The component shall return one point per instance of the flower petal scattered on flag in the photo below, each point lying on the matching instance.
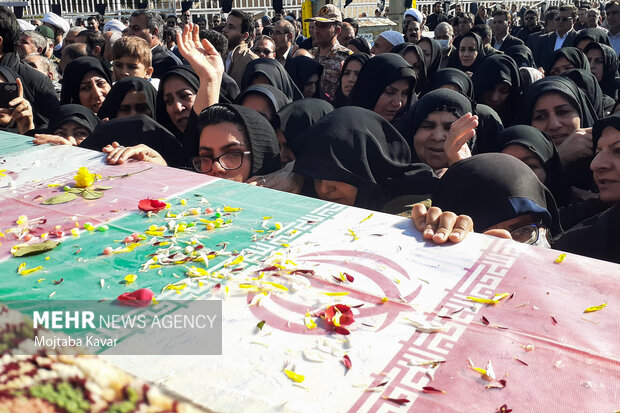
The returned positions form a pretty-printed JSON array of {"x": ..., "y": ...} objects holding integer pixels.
[
  {"x": 595, "y": 308},
  {"x": 138, "y": 298}
]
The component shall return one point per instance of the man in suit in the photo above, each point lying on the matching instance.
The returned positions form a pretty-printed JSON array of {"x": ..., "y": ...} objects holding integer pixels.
[
  {"x": 238, "y": 29},
  {"x": 283, "y": 35},
  {"x": 563, "y": 36},
  {"x": 500, "y": 24},
  {"x": 150, "y": 27},
  {"x": 530, "y": 17},
  {"x": 548, "y": 27}
]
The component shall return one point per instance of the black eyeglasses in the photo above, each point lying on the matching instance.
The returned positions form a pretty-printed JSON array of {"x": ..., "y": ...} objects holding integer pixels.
[
  {"x": 563, "y": 19},
  {"x": 229, "y": 161},
  {"x": 264, "y": 51},
  {"x": 527, "y": 234}
]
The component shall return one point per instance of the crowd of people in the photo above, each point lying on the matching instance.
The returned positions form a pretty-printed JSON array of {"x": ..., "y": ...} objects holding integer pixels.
[{"x": 501, "y": 121}]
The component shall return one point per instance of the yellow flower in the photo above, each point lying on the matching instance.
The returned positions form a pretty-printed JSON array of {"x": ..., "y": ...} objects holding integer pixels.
[{"x": 84, "y": 178}]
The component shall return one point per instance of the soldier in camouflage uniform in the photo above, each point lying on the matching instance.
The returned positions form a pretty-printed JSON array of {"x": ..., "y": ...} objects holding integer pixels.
[{"x": 328, "y": 52}]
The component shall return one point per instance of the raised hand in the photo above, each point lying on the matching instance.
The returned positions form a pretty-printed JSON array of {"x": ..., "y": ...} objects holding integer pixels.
[
  {"x": 461, "y": 132},
  {"x": 22, "y": 110},
  {"x": 200, "y": 54}
]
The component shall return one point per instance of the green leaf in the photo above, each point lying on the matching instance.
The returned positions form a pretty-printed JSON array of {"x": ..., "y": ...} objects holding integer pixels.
[
  {"x": 103, "y": 188},
  {"x": 75, "y": 190},
  {"x": 34, "y": 249},
  {"x": 60, "y": 199},
  {"x": 260, "y": 325},
  {"x": 88, "y": 194}
]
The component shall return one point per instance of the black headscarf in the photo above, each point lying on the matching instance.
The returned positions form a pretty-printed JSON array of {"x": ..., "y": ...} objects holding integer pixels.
[
  {"x": 362, "y": 45},
  {"x": 421, "y": 84},
  {"x": 361, "y": 148},
  {"x": 563, "y": 86},
  {"x": 73, "y": 113},
  {"x": 115, "y": 96},
  {"x": 493, "y": 188},
  {"x": 492, "y": 71},
  {"x": 452, "y": 76},
  {"x": 342, "y": 100},
  {"x": 275, "y": 96},
  {"x": 436, "y": 55},
  {"x": 298, "y": 116},
  {"x": 543, "y": 147},
  {"x": 586, "y": 81},
  {"x": 489, "y": 122},
  {"x": 301, "y": 69},
  {"x": 575, "y": 56},
  {"x": 455, "y": 62},
  {"x": 73, "y": 75},
  {"x": 610, "y": 69},
  {"x": 377, "y": 74},
  {"x": 599, "y": 236},
  {"x": 522, "y": 55},
  {"x": 260, "y": 135},
  {"x": 594, "y": 34},
  {"x": 273, "y": 71},
  {"x": 187, "y": 74},
  {"x": 440, "y": 100},
  {"x": 134, "y": 130},
  {"x": 229, "y": 90}
]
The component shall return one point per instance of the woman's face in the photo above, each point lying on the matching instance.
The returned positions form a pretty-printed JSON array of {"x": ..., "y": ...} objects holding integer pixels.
[
  {"x": 468, "y": 51},
  {"x": 560, "y": 66},
  {"x": 261, "y": 104},
  {"x": 225, "y": 138},
  {"x": 597, "y": 63},
  {"x": 311, "y": 85},
  {"x": 93, "y": 90},
  {"x": 393, "y": 99},
  {"x": 286, "y": 153},
  {"x": 72, "y": 129},
  {"x": 134, "y": 103},
  {"x": 529, "y": 158},
  {"x": 496, "y": 98},
  {"x": 412, "y": 58},
  {"x": 428, "y": 142},
  {"x": 527, "y": 229},
  {"x": 554, "y": 115},
  {"x": 179, "y": 98},
  {"x": 349, "y": 76},
  {"x": 426, "y": 48},
  {"x": 335, "y": 191},
  {"x": 606, "y": 166}
]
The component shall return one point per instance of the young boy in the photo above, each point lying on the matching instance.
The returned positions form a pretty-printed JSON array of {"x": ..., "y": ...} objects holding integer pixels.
[{"x": 132, "y": 57}]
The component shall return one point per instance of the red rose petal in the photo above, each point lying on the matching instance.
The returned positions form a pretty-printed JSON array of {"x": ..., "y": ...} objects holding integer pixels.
[
  {"x": 139, "y": 298},
  {"x": 397, "y": 401},
  {"x": 347, "y": 362},
  {"x": 154, "y": 205}
]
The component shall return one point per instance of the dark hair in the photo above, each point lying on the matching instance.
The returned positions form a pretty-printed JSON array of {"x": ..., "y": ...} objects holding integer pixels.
[
  {"x": 9, "y": 30},
  {"x": 153, "y": 21},
  {"x": 531, "y": 11},
  {"x": 482, "y": 30},
  {"x": 217, "y": 39},
  {"x": 92, "y": 40},
  {"x": 550, "y": 15},
  {"x": 568, "y": 7},
  {"x": 501, "y": 12},
  {"x": 216, "y": 114},
  {"x": 611, "y": 4},
  {"x": 353, "y": 23},
  {"x": 247, "y": 20}
]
